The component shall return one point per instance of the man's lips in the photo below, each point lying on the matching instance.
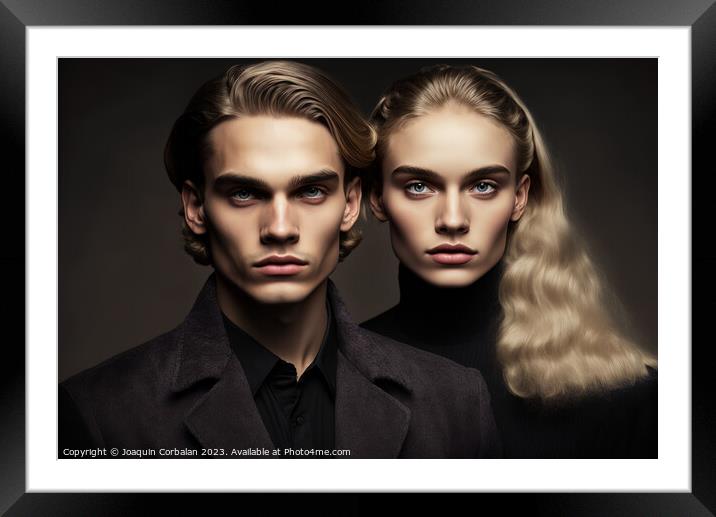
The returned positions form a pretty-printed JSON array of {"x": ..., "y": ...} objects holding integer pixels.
[
  {"x": 452, "y": 254},
  {"x": 280, "y": 265}
]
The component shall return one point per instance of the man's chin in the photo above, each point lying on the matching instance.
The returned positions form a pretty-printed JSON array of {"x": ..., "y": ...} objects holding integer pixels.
[{"x": 279, "y": 293}]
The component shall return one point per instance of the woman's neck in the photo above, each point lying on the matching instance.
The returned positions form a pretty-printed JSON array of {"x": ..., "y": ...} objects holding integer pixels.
[{"x": 434, "y": 311}]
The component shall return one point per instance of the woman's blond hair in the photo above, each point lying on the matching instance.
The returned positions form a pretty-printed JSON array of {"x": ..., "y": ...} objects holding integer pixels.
[
  {"x": 556, "y": 339},
  {"x": 276, "y": 88}
]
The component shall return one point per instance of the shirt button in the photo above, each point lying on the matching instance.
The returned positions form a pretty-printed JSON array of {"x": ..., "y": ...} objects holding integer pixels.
[{"x": 299, "y": 420}]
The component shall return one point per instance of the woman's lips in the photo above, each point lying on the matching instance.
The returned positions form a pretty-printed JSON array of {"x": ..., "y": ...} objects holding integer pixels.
[
  {"x": 451, "y": 258},
  {"x": 452, "y": 254}
]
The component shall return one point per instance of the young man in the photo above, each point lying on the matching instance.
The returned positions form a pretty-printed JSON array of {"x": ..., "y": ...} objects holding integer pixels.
[{"x": 268, "y": 360}]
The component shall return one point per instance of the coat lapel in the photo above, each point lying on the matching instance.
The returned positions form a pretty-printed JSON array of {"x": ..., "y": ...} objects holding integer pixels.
[
  {"x": 370, "y": 422},
  {"x": 226, "y": 416}
]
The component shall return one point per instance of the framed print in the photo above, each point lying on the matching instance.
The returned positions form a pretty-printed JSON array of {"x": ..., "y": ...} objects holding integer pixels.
[{"x": 93, "y": 200}]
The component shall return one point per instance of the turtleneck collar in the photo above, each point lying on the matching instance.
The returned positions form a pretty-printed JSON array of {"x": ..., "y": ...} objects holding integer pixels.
[{"x": 453, "y": 310}]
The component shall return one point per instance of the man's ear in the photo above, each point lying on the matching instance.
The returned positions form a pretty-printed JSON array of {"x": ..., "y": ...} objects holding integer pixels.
[
  {"x": 376, "y": 205},
  {"x": 521, "y": 195},
  {"x": 193, "y": 203},
  {"x": 352, "y": 210}
]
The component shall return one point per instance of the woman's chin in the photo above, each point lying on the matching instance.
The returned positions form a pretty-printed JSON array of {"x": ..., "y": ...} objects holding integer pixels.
[{"x": 450, "y": 276}]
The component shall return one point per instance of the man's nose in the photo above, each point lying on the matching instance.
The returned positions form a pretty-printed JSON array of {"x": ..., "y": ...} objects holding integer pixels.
[
  {"x": 452, "y": 217},
  {"x": 278, "y": 226}
]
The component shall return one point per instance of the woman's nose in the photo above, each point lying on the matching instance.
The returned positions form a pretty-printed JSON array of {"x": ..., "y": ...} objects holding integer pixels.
[{"x": 452, "y": 215}]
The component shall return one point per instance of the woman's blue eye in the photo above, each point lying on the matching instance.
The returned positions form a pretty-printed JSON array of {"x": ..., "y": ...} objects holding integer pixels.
[
  {"x": 417, "y": 188},
  {"x": 484, "y": 188}
]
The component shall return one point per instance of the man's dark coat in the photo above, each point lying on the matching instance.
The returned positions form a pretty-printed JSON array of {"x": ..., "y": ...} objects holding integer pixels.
[{"x": 186, "y": 389}]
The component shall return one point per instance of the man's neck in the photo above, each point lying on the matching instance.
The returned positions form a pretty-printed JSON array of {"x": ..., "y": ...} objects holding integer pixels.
[{"x": 292, "y": 331}]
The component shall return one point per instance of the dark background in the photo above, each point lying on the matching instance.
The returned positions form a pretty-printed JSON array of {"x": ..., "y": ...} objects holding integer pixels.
[{"x": 124, "y": 278}]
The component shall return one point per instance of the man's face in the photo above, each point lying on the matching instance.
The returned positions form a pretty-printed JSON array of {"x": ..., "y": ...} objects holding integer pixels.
[{"x": 274, "y": 204}]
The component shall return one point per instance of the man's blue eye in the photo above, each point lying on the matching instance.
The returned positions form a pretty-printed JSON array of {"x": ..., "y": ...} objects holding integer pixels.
[
  {"x": 242, "y": 195},
  {"x": 417, "y": 188},
  {"x": 312, "y": 192}
]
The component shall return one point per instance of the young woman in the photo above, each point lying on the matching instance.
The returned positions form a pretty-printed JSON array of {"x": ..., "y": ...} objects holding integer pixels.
[{"x": 492, "y": 275}]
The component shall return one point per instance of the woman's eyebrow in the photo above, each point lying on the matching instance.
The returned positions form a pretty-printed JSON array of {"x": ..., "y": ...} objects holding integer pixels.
[
  {"x": 418, "y": 172},
  {"x": 488, "y": 170},
  {"x": 434, "y": 177}
]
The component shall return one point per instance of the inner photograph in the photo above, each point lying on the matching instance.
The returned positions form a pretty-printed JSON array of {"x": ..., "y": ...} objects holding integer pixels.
[{"x": 357, "y": 258}]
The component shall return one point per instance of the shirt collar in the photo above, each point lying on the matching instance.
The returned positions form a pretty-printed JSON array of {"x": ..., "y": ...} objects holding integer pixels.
[
  {"x": 258, "y": 361},
  {"x": 326, "y": 358}
]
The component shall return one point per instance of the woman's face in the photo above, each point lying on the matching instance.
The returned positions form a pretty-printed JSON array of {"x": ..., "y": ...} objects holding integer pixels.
[{"x": 449, "y": 190}]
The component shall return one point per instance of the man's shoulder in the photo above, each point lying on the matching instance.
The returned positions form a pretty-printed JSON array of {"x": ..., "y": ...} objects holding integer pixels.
[
  {"x": 152, "y": 361},
  {"x": 421, "y": 367},
  {"x": 445, "y": 392}
]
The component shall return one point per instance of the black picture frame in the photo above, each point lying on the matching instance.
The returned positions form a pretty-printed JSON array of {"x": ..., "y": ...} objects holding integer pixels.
[{"x": 16, "y": 16}]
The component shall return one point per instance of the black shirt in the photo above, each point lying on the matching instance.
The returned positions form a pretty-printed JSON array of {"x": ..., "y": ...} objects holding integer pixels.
[
  {"x": 461, "y": 324},
  {"x": 298, "y": 414}
]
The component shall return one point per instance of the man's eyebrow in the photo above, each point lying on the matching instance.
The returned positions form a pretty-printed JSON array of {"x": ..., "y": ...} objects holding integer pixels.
[
  {"x": 233, "y": 179},
  {"x": 324, "y": 175},
  {"x": 434, "y": 177}
]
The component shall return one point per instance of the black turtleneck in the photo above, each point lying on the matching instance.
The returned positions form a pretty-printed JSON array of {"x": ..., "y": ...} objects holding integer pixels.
[
  {"x": 457, "y": 323},
  {"x": 461, "y": 324}
]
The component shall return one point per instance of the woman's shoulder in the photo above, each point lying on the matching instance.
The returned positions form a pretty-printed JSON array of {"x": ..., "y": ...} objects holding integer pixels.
[
  {"x": 618, "y": 423},
  {"x": 634, "y": 409},
  {"x": 642, "y": 391},
  {"x": 636, "y": 392},
  {"x": 385, "y": 324},
  {"x": 640, "y": 395}
]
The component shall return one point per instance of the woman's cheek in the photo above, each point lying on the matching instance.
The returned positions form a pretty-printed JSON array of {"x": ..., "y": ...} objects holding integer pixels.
[
  {"x": 406, "y": 221},
  {"x": 491, "y": 224},
  {"x": 495, "y": 216}
]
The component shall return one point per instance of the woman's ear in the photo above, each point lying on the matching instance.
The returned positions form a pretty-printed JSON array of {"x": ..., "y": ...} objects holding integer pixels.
[
  {"x": 193, "y": 208},
  {"x": 521, "y": 196},
  {"x": 376, "y": 205}
]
